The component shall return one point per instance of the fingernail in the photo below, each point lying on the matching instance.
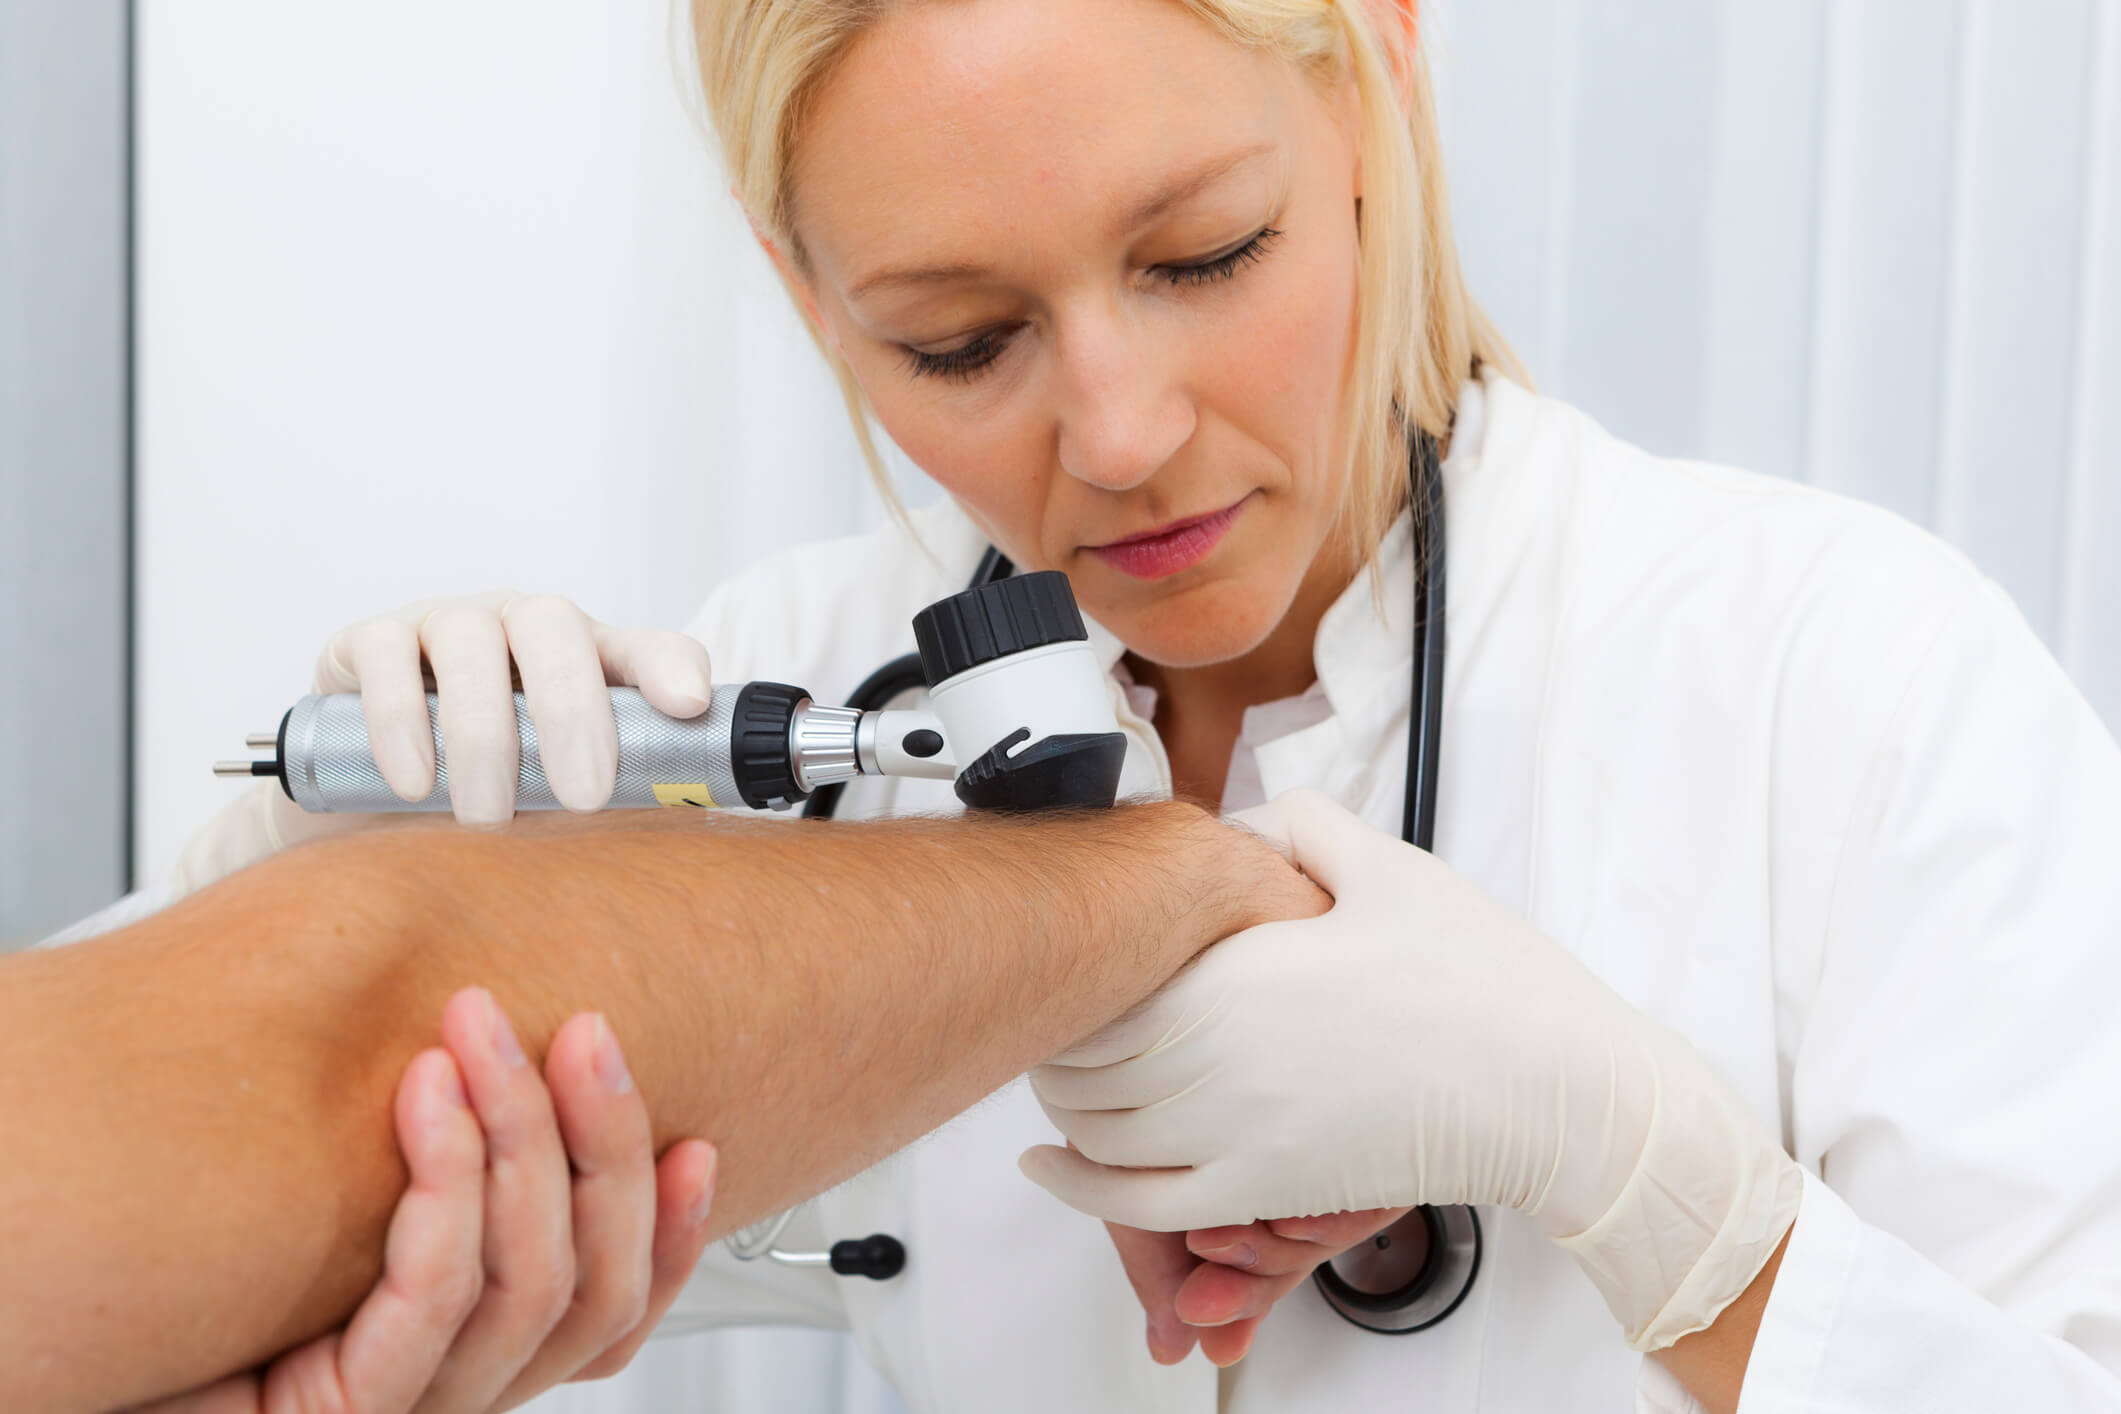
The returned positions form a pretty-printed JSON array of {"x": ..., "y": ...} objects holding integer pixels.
[
  {"x": 611, "y": 1065},
  {"x": 704, "y": 1204},
  {"x": 505, "y": 1044}
]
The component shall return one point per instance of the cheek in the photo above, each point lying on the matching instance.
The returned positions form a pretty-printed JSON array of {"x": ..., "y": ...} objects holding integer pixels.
[
  {"x": 1281, "y": 375},
  {"x": 994, "y": 460}
]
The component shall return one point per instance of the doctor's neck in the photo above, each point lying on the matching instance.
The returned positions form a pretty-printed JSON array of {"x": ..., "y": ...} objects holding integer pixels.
[{"x": 1200, "y": 710}]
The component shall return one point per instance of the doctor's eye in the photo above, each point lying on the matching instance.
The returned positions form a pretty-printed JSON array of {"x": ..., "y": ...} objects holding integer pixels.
[
  {"x": 1221, "y": 267},
  {"x": 964, "y": 362}
]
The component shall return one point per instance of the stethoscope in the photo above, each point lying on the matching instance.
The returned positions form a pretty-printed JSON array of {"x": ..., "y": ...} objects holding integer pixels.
[{"x": 1419, "y": 1270}]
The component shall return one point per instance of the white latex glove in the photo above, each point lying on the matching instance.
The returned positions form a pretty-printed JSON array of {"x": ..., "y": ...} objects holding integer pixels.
[
  {"x": 1419, "y": 1043},
  {"x": 473, "y": 648}
]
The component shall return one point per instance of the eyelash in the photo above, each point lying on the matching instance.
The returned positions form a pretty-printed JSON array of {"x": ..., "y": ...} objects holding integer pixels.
[{"x": 966, "y": 361}]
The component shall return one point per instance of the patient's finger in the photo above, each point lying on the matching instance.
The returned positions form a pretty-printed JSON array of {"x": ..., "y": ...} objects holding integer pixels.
[
  {"x": 529, "y": 1242},
  {"x": 1290, "y": 1244},
  {"x": 684, "y": 1182},
  {"x": 1157, "y": 1265},
  {"x": 605, "y": 1127},
  {"x": 432, "y": 1272}
]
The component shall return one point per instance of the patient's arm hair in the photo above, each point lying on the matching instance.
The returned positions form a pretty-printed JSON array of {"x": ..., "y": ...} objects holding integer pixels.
[{"x": 198, "y": 1162}]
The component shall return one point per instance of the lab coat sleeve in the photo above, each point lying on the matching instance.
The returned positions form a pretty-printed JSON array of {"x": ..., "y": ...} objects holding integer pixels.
[{"x": 1954, "y": 1086}]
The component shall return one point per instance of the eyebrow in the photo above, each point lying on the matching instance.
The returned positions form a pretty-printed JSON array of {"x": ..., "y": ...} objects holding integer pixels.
[{"x": 1148, "y": 209}]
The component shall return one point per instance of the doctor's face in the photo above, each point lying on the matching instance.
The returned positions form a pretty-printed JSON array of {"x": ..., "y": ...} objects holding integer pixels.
[{"x": 1094, "y": 267}]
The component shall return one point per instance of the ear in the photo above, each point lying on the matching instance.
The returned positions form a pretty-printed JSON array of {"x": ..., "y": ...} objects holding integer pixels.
[
  {"x": 791, "y": 275},
  {"x": 800, "y": 287},
  {"x": 1398, "y": 27}
]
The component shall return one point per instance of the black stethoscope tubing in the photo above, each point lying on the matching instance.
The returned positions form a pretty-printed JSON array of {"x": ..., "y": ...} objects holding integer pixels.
[{"x": 1418, "y": 827}]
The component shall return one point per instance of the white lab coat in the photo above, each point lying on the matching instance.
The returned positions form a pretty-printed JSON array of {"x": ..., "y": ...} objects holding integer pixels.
[{"x": 1786, "y": 772}]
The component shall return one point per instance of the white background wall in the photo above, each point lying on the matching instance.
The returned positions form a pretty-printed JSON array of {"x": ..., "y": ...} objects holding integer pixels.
[{"x": 439, "y": 297}]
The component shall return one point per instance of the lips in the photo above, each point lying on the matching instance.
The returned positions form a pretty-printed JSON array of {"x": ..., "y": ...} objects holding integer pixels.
[{"x": 1160, "y": 553}]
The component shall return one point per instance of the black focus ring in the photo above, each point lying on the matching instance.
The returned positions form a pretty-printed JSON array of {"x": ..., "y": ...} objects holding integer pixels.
[
  {"x": 758, "y": 744},
  {"x": 994, "y": 620}
]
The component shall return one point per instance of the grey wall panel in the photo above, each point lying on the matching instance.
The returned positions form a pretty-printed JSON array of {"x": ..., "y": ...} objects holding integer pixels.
[
  {"x": 2091, "y": 604},
  {"x": 64, "y": 489},
  {"x": 2017, "y": 270}
]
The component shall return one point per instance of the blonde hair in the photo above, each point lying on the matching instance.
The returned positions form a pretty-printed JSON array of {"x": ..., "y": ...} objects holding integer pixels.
[{"x": 1419, "y": 333}]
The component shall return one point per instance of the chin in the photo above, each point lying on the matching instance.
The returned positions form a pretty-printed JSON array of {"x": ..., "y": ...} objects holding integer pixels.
[{"x": 1213, "y": 624}]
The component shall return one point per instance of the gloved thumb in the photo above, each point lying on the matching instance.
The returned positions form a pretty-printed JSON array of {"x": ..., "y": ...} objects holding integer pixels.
[
  {"x": 1316, "y": 835},
  {"x": 1155, "y": 1200}
]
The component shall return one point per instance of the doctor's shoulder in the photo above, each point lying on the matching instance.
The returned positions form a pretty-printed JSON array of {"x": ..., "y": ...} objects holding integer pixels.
[
  {"x": 1750, "y": 582},
  {"x": 824, "y": 614}
]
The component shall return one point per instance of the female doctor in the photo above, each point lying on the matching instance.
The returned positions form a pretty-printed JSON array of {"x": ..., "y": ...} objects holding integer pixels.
[{"x": 1764, "y": 987}]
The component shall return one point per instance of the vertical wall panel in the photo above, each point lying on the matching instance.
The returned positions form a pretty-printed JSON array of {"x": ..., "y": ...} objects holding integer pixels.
[
  {"x": 1762, "y": 231},
  {"x": 1513, "y": 123},
  {"x": 2007, "y": 399},
  {"x": 1637, "y": 288},
  {"x": 64, "y": 367},
  {"x": 2091, "y": 623},
  {"x": 1885, "y": 218}
]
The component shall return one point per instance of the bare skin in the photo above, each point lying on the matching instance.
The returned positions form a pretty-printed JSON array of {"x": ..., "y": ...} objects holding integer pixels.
[{"x": 206, "y": 1166}]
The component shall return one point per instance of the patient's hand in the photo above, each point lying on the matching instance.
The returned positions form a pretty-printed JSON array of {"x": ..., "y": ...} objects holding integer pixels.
[
  {"x": 1215, "y": 1285},
  {"x": 539, "y": 1240}
]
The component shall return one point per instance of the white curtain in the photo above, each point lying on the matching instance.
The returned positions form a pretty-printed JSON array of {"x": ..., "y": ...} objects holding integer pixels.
[
  {"x": 1871, "y": 244},
  {"x": 439, "y": 297}
]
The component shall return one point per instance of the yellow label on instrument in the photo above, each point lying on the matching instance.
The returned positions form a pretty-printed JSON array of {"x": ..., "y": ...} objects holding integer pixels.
[{"x": 694, "y": 795}]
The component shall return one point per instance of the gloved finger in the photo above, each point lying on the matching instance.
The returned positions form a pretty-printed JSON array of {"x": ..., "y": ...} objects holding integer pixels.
[
  {"x": 1122, "y": 1085},
  {"x": 684, "y": 1181},
  {"x": 554, "y": 647},
  {"x": 528, "y": 1241},
  {"x": 1331, "y": 845},
  {"x": 468, "y": 650},
  {"x": 380, "y": 660},
  {"x": 605, "y": 1127},
  {"x": 1128, "y": 1139},
  {"x": 1337, "y": 1231},
  {"x": 1157, "y": 1264},
  {"x": 1162, "y": 1020},
  {"x": 1158, "y": 1200},
  {"x": 671, "y": 669}
]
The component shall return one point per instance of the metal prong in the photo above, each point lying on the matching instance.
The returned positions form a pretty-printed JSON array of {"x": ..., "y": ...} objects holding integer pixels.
[
  {"x": 232, "y": 768},
  {"x": 262, "y": 741}
]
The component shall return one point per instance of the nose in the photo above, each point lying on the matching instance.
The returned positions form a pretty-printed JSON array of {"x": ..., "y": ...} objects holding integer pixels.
[{"x": 1125, "y": 409}]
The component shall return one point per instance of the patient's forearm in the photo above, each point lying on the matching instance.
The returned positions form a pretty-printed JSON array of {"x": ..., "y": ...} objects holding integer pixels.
[{"x": 200, "y": 1162}]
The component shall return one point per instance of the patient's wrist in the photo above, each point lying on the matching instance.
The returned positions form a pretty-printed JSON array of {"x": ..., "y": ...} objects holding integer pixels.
[{"x": 1236, "y": 878}]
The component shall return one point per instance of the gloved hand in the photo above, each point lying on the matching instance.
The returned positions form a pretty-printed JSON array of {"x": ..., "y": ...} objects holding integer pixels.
[
  {"x": 566, "y": 661},
  {"x": 1419, "y": 1043}
]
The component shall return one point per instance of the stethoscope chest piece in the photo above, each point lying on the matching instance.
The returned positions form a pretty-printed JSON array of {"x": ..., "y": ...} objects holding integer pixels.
[{"x": 1408, "y": 1277}]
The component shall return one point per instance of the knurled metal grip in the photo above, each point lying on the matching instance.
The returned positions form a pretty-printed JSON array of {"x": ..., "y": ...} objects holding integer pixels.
[
  {"x": 326, "y": 765},
  {"x": 991, "y": 621}
]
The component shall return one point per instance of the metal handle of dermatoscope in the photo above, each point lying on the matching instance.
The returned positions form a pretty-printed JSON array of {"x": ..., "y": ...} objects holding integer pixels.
[{"x": 743, "y": 751}]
